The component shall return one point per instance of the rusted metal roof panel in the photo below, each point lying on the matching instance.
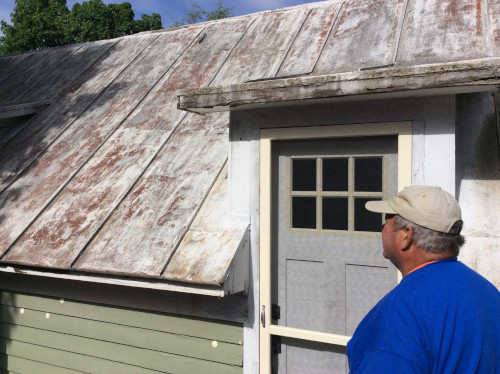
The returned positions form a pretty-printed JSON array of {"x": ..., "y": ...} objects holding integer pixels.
[
  {"x": 309, "y": 43},
  {"x": 23, "y": 67},
  {"x": 250, "y": 59},
  {"x": 62, "y": 160},
  {"x": 46, "y": 87},
  {"x": 34, "y": 72},
  {"x": 49, "y": 124},
  {"x": 11, "y": 64},
  {"x": 444, "y": 30},
  {"x": 202, "y": 61},
  {"x": 160, "y": 208},
  {"x": 86, "y": 202},
  {"x": 366, "y": 36},
  {"x": 63, "y": 230},
  {"x": 209, "y": 246}
]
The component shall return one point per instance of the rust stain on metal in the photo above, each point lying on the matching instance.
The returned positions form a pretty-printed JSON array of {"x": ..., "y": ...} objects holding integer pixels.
[
  {"x": 129, "y": 240},
  {"x": 443, "y": 30},
  {"x": 309, "y": 43},
  {"x": 251, "y": 58},
  {"x": 364, "y": 37},
  {"x": 84, "y": 136},
  {"x": 479, "y": 18},
  {"x": 493, "y": 8},
  {"x": 46, "y": 126},
  {"x": 209, "y": 246},
  {"x": 200, "y": 63}
]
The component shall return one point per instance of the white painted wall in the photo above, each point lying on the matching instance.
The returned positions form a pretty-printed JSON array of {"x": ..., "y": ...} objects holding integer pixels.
[
  {"x": 478, "y": 183},
  {"x": 433, "y": 163}
]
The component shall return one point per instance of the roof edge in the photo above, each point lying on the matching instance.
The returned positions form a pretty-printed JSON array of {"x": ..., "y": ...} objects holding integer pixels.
[
  {"x": 119, "y": 281},
  {"x": 16, "y": 110},
  {"x": 480, "y": 74}
]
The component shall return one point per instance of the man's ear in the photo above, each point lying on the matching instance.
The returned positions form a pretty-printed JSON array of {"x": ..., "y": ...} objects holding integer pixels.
[{"x": 406, "y": 237}]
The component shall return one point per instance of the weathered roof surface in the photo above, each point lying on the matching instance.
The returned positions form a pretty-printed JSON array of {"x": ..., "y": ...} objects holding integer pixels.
[
  {"x": 356, "y": 47},
  {"x": 111, "y": 178}
]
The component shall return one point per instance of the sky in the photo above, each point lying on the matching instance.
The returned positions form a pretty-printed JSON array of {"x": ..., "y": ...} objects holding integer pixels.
[{"x": 175, "y": 10}]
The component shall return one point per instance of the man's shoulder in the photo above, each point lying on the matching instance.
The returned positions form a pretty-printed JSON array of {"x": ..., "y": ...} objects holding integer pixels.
[
  {"x": 450, "y": 270},
  {"x": 449, "y": 283},
  {"x": 455, "y": 274}
]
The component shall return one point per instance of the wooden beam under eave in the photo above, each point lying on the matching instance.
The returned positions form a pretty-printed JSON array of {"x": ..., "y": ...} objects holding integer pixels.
[{"x": 456, "y": 77}]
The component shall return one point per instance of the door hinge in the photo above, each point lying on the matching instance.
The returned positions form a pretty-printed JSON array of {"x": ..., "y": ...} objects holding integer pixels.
[
  {"x": 275, "y": 312},
  {"x": 276, "y": 345}
]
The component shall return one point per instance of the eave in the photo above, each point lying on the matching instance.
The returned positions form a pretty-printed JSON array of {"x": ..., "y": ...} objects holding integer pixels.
[
  {"x": 207, "y": 290},
  {"x": 452, "y": 77}
]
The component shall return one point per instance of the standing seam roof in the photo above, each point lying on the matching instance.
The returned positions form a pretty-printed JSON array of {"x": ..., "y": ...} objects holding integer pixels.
[{"x": 112, "y": 178}]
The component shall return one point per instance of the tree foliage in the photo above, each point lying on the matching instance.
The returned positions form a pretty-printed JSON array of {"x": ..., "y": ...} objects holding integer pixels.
[
  {"x": 197, "y": 14},
  {"x": 40, "y": 24},
  {"x": 152, "y": 22},
  {"x": 36, "y": 24}
]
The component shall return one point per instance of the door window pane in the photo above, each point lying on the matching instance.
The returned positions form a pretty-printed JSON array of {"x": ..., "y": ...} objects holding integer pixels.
[
  {"x": 368, "y": 174},
  {"x": 304, "y": 174},
  {"x": 335, "y": 174},
  {"x": 364, "y": 220},
  {"x": 335, "y": 213},
  {"x": 304, "y": 212}
]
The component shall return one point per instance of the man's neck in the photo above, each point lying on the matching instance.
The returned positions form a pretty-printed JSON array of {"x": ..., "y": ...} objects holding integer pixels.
[{"x": 418, "y": 258}]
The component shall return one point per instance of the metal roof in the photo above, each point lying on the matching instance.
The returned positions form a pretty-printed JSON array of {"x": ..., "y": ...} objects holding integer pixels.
[{"x": 112, "y": 178}]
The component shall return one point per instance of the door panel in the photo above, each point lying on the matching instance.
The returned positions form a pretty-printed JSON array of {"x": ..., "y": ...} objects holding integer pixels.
[
  {"x": 321, "y": 358},
  {"x": 327, "y": 268}
]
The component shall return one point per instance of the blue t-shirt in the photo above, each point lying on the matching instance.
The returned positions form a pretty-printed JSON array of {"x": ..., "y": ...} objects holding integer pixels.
[{"x": 443, "y": 318}]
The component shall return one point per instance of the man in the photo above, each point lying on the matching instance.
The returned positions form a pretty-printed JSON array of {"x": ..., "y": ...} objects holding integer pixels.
[{"x": 443, "y": 317}]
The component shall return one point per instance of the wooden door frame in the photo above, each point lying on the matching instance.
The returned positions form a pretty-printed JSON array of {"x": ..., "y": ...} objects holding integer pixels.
[{"x": 403, "y": 130}]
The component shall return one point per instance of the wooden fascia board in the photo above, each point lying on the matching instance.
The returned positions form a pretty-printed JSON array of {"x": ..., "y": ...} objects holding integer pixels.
[
  {"x": 480, "y": 75},
  {"x": 118, "y": 281}
]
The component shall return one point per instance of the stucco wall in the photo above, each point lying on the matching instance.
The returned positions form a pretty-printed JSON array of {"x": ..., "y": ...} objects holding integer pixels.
[{"x": 478, "y": 182}]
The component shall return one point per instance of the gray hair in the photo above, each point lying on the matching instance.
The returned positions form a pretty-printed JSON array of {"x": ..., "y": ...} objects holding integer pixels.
[{"x": 433, "y": 241}]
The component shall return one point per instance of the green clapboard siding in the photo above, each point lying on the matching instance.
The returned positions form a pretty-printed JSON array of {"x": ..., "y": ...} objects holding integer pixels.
[
  {"x": 63, "y": 336},
  {"x": 17, "y": 365}
]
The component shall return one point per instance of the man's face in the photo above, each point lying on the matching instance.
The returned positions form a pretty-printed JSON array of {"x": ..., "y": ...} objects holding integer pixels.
[{"x": 389, "y": 239}]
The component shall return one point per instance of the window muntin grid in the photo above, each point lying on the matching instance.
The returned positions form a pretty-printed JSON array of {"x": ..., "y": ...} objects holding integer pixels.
[{"x": 331, "y": 191}]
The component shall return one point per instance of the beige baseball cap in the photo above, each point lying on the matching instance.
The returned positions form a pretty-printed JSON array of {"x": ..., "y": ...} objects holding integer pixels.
[{"x": 427, "y": 206}]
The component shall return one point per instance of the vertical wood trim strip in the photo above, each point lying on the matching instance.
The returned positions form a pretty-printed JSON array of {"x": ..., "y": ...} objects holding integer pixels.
[
  {"x": 497, "y": 115},
  {"x": 265, "y": 253},
  {"x": 404, "y": 163},
  {"x": 404, "y": 157}
]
